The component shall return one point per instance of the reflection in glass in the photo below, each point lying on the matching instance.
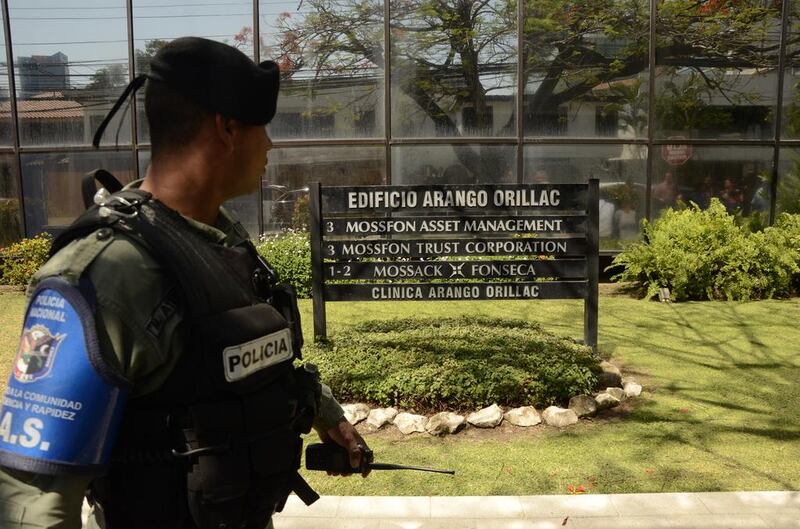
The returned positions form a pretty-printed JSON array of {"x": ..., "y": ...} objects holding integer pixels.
[
  {"x": 156, "y": 23},
  {"x": 10, "y": 227},
  {"x": 453, "y": 164},
  {"x": 788, "y": 196},
  {"x": 716, "y": 73},
  {"x": 791, "y": 83},
  {"x": 621, "y": 170},
  {"x": 291, "y": 170},
  {"x": 5, "y": 94},
  {"x": 51, "y": 185},
  {"x": 586, "y": 68},
  {"x": 71, "y": 64},
  {"x": 738, "y": 176},
  {"x": 245, "y": 210},
  {"x": 454, "y": 68},
  {"x": 331, "y": 57}
]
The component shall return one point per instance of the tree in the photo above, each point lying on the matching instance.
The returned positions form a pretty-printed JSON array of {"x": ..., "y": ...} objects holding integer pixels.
[
  {"x": 112, "y": 76},
  {"x": 144, "y": 56},
  {"x": 451, "y": 54}
]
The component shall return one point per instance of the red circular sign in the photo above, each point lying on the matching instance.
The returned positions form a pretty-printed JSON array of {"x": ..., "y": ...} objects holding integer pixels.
[{"x": 676, "y": 154}]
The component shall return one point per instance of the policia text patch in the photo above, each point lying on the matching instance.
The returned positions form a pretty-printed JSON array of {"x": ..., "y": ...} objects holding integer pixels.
[{"x": 243, "y": 360}]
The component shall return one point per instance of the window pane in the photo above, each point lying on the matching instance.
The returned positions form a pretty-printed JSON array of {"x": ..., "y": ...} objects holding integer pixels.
[
  {"x": 586, "y": 68},
  {"x": 788, "y": 198},
  {"x": 51, "y": 185},
  {"x": 10, "y": 227},
  {"x": 291, "y": 170},
  {"x": 453, "y": 164},
  {"x": 5, "y": 94},
  {"x": 156, "y": 22},
  {"x": 454, "y": 68},
  {"x": 621, "y": 170},
  {"x": 245, "y": 210},
  {"x": 716, "y": 69},
  {"x": 144, "y": 162},
  {"x": 331, "y": 58},
  {"x": 737, "y": 176},
  {"x": 71, "y": 64},
  {"x": 791, "y": 82}
]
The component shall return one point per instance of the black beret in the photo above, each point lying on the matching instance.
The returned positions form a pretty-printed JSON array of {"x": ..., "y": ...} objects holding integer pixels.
[{"x": 219, "y": 78}]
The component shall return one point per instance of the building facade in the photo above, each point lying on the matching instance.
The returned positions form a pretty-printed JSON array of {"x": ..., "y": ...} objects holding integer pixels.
[{"x": 665, "y": 101}]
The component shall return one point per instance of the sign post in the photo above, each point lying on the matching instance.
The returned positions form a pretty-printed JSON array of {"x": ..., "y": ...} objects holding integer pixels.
[
  {"x": 455, "y": 242},
  {"x": 317, "y": 281}
]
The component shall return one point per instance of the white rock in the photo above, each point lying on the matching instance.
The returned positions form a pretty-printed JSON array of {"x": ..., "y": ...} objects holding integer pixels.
[
  {"x": 524, "y": 416},
  {"x": 559, "y": 417},
  {"x": 617, "y": 393},
  {"x": 632, "y": 389},
  {"x": 583, "y": 405},
  {"x": 355, "y": 413},
  {"x": 409, "y": 423},
  {"x": 606, "y": 401},
  {"x": 381, "y": 416},
  {"x": 488, "y": 417},
  {"x": 445, "y": 422}
]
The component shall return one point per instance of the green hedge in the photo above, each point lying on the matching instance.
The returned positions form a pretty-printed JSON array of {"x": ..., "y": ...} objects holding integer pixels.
[
  {"x": 453, "y": 363},
  {"x": 22, "y": 259},
  {"x": 704, "y": 254},
  {"x": 289, "y": 253}
]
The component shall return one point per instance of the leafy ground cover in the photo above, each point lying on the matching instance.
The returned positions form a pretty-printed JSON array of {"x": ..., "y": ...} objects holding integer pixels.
[
  {"x": 459, "y": 364},
  {"x": 719, "y": 411}
]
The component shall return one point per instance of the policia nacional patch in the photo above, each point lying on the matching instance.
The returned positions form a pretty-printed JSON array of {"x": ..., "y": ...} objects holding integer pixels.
[{"x": 63, "y": 404}]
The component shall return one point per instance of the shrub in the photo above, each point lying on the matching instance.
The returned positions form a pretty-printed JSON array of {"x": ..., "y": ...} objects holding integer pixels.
[
  {"x": 453, "y": 363},
  {"x": 22, "y": 259},
  {"x": 704, "y": 254},
  {"x": 289, "y": 253},
  {"x": 9, "y": 220},
  {"x": 300, "y": 213}
]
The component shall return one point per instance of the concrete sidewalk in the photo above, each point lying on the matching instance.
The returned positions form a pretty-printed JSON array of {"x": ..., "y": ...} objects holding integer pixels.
[{"x": 708, "y": 510}]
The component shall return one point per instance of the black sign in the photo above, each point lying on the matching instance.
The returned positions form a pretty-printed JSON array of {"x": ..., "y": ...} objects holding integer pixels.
[
  {"x": 398, "y": 239},
  {"x": 456, "y": 291},
  {"x": 350, "y": 249},
  {"x": 542, "y": 224},
  {"x": 498, "y": 197},
  {"x": 448, "y": 270}
]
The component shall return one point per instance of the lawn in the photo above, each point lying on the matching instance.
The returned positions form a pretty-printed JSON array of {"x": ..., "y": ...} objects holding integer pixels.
[{"x": 719, "y": 410}]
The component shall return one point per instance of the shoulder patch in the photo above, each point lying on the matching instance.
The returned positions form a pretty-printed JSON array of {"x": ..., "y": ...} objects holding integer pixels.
[{"x": 62, "y": 405}]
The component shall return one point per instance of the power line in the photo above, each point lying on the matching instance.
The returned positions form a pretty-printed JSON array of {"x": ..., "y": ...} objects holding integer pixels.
[
  {"x": 137, "y": 6},
  {"x": 64, "y": 43},
  {"x": 135, "y": 17}
]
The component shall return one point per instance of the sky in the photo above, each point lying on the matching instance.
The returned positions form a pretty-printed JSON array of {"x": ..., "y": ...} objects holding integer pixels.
[{"x": 93, "y": 33}]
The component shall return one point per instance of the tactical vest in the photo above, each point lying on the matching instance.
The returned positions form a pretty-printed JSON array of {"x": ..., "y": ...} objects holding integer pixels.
[{"x": 218, "y": 446}]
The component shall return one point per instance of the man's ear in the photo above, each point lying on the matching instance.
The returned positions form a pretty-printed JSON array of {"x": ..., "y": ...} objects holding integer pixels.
[{"x": 225, "y": 131}]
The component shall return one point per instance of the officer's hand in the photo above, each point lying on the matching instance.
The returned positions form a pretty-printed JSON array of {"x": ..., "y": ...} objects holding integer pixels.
[{"x": 344, "y": 434}]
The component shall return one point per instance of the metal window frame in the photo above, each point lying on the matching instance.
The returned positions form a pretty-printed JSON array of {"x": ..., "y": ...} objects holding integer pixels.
[
  {"x": 12, "y": 94},
  {"x": 387, "y": 140}
]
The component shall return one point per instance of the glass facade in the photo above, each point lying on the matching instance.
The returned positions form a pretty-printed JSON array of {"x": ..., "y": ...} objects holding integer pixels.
[{"x": 665, "y": 101}]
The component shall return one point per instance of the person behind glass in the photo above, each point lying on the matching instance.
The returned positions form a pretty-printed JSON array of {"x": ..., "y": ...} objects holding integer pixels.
[
  {"x": 731, "y": 197},
  {"x": 703, "y": 196},
  {"x": 625, "y": 220},
  {"x": 540, "y": 177},
  {"x": 665, "y": 193},
  {"x": 155, "y": 372}
]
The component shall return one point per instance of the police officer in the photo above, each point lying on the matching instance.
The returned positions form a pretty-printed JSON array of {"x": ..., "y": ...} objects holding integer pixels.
[{"x": 155, "y": 371}]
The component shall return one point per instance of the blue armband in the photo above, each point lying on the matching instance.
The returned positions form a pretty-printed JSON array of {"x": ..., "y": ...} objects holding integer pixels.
[{"x": 63, "y": 404}]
